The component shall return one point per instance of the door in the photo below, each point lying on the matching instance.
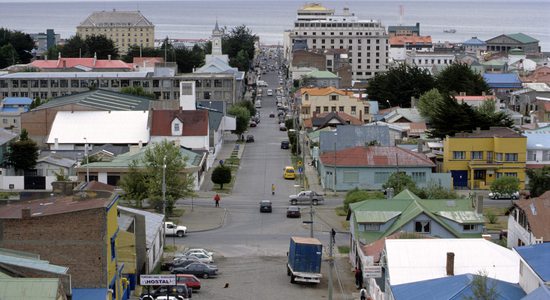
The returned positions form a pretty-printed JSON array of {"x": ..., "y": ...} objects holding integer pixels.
[
  {"x": 35, "y": 183},
  {"x": 460, "y": 179}
]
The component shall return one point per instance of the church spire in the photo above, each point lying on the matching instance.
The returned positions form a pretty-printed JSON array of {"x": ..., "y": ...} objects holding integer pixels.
[{"x": 217, "y": 40}]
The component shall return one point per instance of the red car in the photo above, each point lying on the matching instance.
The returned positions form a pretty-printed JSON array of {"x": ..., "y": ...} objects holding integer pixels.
[{"x": 190, "y": 280}]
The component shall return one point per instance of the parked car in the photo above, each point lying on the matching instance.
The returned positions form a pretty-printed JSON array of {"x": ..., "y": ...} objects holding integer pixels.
[
  {"x": 306, "y": 197},
  {"x": 180, "y": 263},
  {"x": 272, "y": 115},
  {"x": 265, "y": 206},
  {"x": 197, "y": 269},
  {"x": 199, "y": 250},
  {"x": 252, "y": 123},
  {"x": 179, "y": 292},
  {"x": 496, "y": 196},
  {"x": 250, "y": 138},
  {"x": 289, "y": 173},
  {"x": 285, "y": 144},
  {"x": 293, "y": 212},
  {"x": 282, "y": 126},
  {"x": 202, "y": 257},
  {"x": 190, "y": 280}
]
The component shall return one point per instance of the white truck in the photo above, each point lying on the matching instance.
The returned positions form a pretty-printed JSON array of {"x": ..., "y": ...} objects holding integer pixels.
[{"x": 172, "y": 229}]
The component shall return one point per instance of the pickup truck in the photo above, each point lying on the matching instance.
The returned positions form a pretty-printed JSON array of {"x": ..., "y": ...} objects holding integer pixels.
[
  {"x": 172, "y": 229},
  {"x": 306, "y": 197}
]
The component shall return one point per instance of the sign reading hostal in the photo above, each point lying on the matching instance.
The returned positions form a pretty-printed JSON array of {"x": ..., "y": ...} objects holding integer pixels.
[
  {"x": 373, "y": 271},
  {"x": 157, "y": 280}
]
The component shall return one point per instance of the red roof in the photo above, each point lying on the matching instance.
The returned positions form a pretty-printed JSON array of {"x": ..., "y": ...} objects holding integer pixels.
[
  {"x": 375, "y": 156},
  {"x": 475, "y": 98},
  {"x": 51, "y": 206},
  {"x": 546, "y": 106},
  {"x": 537, "y": 211},
  {"x": 85, "y": 62},
  {"x": 411, "y": 40},
  {"x": 147, "y": 61},
  {"x": 195, "y": 122}
]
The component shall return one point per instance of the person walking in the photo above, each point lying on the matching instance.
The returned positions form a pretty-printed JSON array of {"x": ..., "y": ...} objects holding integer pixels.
[
  {"x": 358, "y": 278},
  {"x": 363, "y": 294},
  {"x": 217, "y": 200},
  {"x": 272, "y": 189}
]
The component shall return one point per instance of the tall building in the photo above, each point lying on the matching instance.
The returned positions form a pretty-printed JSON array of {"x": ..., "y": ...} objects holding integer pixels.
[
  {"x": 366, "y": 41},
  {"x": 125, "y": 28}
]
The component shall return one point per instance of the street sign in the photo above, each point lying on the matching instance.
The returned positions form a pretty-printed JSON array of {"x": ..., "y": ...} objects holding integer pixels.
[
  {"x": 157, "y": 280},
  {"x": 300, "y": 170},
  {"x": 299, "y": 163},
  {"x": 372, "y": 271}
]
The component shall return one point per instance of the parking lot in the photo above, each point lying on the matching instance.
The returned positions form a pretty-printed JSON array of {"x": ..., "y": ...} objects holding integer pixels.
[{"x": 265, "y": 278}]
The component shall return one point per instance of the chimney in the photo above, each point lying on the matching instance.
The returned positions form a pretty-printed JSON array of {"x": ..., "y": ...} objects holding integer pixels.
[
  {"x": 95, "y": 58},
  {"x": 59, "y": 55},
  {"x": 46, "y": 57},
  {"x": 109, "y": 57},
  {"x": 478, "y": 130},
  {"x": 26, "y": 213},
  {"x": 450, "y": 264},
  {"x": 346, "y": 11},
  {"x": 479, "y": 204},
  {"x": 64, "y": 64},
  {"x": 56, "y": 144}
]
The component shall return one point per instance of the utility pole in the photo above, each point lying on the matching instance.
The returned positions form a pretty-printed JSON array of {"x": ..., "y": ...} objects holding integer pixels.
[
  {"x": 311, "y": 213},
  {"x": 87, "y": 160},
  {"x": 330, "y": 262},
  {"x": 164, "y": 186}
]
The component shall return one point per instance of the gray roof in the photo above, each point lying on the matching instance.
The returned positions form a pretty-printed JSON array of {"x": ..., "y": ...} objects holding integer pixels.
[
  {"x": 57, "y": 160},
  {"x": 411, "y": 114},
  {"x": 10, "y": 257},
  {"x": 214, "y": 119},
  {"x": 538, "y": 140},
  {"x": 351, "y": 136},
  {"x": 153, "y": 222},
  {"x": 101, "y": 100},
  {"x": 73, "y": 75},
  {"x": 116, "y": 19},
  {"x": 6, "y": 136},
  {"x": 218, "y": 105}
]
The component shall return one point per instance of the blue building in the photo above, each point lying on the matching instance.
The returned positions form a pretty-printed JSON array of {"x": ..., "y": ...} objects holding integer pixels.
[{"x": 10, "y": 111}]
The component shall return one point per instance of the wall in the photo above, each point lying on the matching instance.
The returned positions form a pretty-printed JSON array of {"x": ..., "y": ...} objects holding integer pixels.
[
  {"x": 435, "y": 228},
  {"x": 75, "y": 240},
  {"x": 516, "y": 231},
  {"x": 528, "y": 280},
  {"x": 19, "y": 182}
]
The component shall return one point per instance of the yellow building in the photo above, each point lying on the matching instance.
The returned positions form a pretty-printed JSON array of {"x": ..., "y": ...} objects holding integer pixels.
[
  {"x": 330, "y": 99},
  {"x": 476, "y": 159},
  {"x": 124, "y": 28}
]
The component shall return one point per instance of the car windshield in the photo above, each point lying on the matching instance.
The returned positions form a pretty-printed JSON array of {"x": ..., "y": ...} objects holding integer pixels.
[{"x": 294, "y": 208}]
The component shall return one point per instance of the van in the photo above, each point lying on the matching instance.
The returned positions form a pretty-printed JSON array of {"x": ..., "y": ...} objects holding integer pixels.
[
  {"x": 289, "y": 173},
  {"x": 258, "y": 104},
  {"x": 270, "y": 92}
]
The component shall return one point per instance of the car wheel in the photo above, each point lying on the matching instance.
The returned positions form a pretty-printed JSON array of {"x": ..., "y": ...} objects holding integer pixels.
[
  {"x": 205, "y": 275},
  {"x": 180, "y": 233},
  {"x": 147, "y": 297},
  {"x": 292, "y": 279},
  {"x": 315, "y": 202},
  {"x": 288, "y": 273},
  {"x": 293, "y": 202}
]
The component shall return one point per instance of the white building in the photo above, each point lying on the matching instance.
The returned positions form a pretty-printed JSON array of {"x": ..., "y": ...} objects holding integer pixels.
[
  {"x": 433, "y": 62},
  {"x": 365, "y": 40}
]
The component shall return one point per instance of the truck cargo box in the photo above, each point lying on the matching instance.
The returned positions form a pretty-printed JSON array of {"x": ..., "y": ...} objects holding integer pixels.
[{"x": 305, "y": 255}]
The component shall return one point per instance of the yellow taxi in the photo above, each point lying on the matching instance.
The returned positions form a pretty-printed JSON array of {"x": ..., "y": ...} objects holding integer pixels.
[{"x": 289, "y": 173}]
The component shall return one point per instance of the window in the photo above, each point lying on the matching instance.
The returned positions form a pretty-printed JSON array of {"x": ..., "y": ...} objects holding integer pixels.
[
  {"x": 531, "y": 155},
  {"x": 353, "y": 110},
  {"x": 341, "y": 108},
  {"x": 499, "y": 156},
  {"x": 459, "y": 155},
  {"x": 325, "y": 108},
  {"x": 511, "y": 174},
  {"x": 351, "y": 177},
  {"x": 317, "y": 109},
  {"x": 370, "y": 227},
  {"x": 333, "y": 97},
  {"x": 176, "y": 127},
  {"x": 479, "y": 174},
  {"x": 422, "y": 226},
  {"x": 469, "y": 227},
  {"x": 511, "y": 157},
  {"x": 113, "y": 248},
  {"x": 477, "y": 154},
  {"x": 333, "y": 108}
]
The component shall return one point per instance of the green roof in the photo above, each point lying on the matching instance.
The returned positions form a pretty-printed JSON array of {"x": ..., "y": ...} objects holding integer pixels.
[
  {"x": 322, "y": 74},
  {"x": 29, "y": 288},
  {"x": 406, "y": 206},
  {"x": 522, "y": 38}
]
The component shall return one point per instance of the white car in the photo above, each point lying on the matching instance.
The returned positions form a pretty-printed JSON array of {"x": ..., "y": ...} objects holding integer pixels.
[
  {"x": 495, "y": 196},
  {"x": 207, "y": 259},
  {"x": 198, "y": 250}
]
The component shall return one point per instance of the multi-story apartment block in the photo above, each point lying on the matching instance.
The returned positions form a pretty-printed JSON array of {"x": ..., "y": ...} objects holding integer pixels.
[
  {"x": 365, "y": 40},
  {"x": 125, "y": 28},
  {"x": 330, "y": 99},
  {"x": 476, "y": 159}
]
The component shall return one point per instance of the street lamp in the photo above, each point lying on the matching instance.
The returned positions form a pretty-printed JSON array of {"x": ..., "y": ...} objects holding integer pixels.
[
  {"x": 87, "y": 160},
  {"x": 164, "y": 186}
]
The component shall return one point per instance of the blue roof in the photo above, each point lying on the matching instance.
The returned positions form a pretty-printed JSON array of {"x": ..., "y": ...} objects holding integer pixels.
[
  {"x": 542, "y": 292},
  {"x": 538, "y": 258},
  {"x": 89, "y": 294},
  {"x": 474, "y": 42},
  {"x": 13, "y": 109},
  {"x": 498, "y": 80},
  {"x": 538, "y": 139},
  {"x": 453, "y": 287},
  {"x": 17, "y": 100}
]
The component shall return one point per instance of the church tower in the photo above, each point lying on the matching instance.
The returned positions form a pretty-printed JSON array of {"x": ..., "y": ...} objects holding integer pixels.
[{"x": 217, "y": 40}]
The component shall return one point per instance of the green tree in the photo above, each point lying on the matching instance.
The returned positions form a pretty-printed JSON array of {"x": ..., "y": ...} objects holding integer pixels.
[
  {"x": 239, "y": 39},
  {"x": 458, "y": 78},
  {"x": 483, "y": 288},
  {"x": 74, "y": 47},
  {"x": 429, "y": 102},
  {"x": 137, "y": 91},
  {"x": 36, "y": 103},
  {"x": 505, "y": 185},
  {"x": 53, "y": 52},
  {"x": 8, "y": 56},
  {"x": 100, "y": 46},
  {"x": 399, "y": 84},
  {"x": 400, "y": 181},
  {"x": 241, "y": 61},
  {"x": 23, "y": 153},
  {"x": 539, "y": 181},
  {"x": 221, "y": 175},
  {"x": 243, "y": 118},
  {"x": 178, "y": 184},
  {"x": 15, "y": 47},
  {"x": 134, "y": 184},
  {"x": 249, "y": 106},
  {"x": 137, "y": 51},
  {"x": 436, "y": 191},
  {"x": 357, "y": 195}
]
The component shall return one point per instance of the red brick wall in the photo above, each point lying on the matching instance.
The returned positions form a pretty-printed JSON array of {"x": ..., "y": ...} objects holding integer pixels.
[
  {"x": 308, "y": 59},
  {"x": 75, "y": 240}
]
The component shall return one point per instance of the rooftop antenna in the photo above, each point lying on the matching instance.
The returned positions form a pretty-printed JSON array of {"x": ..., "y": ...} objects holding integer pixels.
[{"x": 401, "y": 12}]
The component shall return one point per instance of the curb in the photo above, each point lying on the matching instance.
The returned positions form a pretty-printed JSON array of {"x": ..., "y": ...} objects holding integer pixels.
[{"x": 212, "y": 228}]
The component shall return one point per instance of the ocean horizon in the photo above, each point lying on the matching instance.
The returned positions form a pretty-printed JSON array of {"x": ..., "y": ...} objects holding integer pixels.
[{"x": 192, "y": 19}]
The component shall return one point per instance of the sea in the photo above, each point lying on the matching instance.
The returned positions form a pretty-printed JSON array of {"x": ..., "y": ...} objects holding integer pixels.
[{"x": 189, "y": 19}]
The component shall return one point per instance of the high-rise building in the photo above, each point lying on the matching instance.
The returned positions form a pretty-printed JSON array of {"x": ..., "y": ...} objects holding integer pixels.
[
  {"x": 366, "y": 41},
  {"x": 125, "y": 28}
]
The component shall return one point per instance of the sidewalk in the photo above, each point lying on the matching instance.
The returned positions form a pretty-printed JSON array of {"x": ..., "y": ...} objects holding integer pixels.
[{"x": 202, "y": 218}]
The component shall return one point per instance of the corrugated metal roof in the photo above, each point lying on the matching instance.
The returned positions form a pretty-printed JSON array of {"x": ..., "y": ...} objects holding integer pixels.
[
  {"x": 522, "y": 38},
  {"x": 538, "y": 139},
  {"x": 100, "y": 100},
  {"x": 31, "y": 263},
  {"x": 375, "y": 216},
  {"x": 543, "y": 292},
  {"x": 537, "y": 256},
  {"x": 411, "y": 260},
  {"x": 6, "y": 136},
  {"x": 17, "y": 101},
  {"x": 100, "y": 127},
  {"x": 75, "y": 75},
  {"x": 29, "y": 288},
  {"x": 462, "y": 217},
  {"x": 454, "y": 288},
  {"x": 153, "y": 222}
]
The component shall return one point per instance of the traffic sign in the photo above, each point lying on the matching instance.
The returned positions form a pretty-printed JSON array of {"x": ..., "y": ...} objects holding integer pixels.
[
  {"x": 300, "y": 170},
  {"x": 299, "y": 163},
  {"x": 157, "y": 280}
]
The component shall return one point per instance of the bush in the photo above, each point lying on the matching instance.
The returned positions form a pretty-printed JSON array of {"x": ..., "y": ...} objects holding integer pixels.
[
  {"x": 491, "y": 217},
  {"x": 357, "y": 195}
]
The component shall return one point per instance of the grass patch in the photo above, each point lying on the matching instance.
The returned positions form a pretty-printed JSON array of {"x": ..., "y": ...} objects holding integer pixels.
[
  {"x": 177, "y": 212},
  {"x": 495, "y": 218},
  {"x": 343, "y": 249},
  {"x": 169, "y": 248},
  {"x": 341, "y": 211}
]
